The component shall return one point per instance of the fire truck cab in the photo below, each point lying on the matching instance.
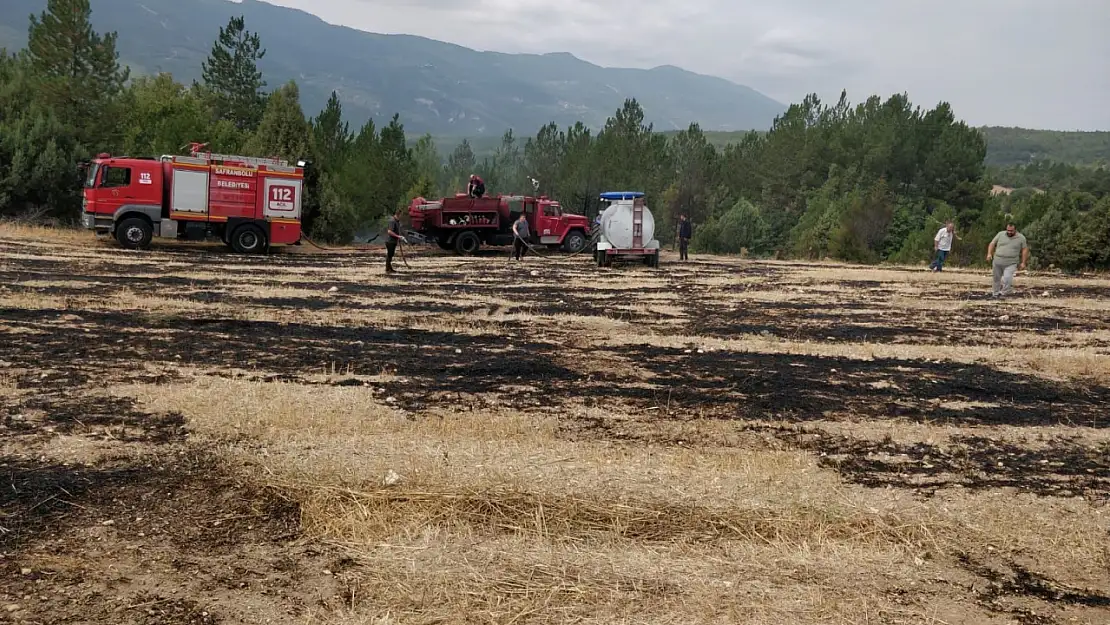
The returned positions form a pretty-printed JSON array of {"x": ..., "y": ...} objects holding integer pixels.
[{"x": 249, "y": 203}]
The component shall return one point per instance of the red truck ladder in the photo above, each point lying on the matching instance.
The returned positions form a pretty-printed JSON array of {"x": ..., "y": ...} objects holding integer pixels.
[{"x": 195, "y": 150}]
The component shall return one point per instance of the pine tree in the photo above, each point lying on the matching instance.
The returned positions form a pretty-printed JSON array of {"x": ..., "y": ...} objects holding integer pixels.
[
  {"x": 78, "y": 70},
  {"x": 396, "y": 166},
  {"x": 695, "y": 163},
  {"x": 231, "y": 75},
  {"x": 578, "y": 179},
  {"x": 427, "y": 163},
  {"x": 506, "y": 165},
  {"x": 543, "y": 156},
  {"x": 460, "y": 164},
  {"x": 331, "y": 134},
  {"x": 160, "y": 115},
  {"x": 337, "y": 220},
  {"x": 283, "y": 131},
  {"x": 38, "y": 152}
]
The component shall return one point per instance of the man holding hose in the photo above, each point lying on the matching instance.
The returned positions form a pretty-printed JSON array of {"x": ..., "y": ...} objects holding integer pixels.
[
  {"x": 520, "y": 235},
  {"x": 395, "y": 236}
]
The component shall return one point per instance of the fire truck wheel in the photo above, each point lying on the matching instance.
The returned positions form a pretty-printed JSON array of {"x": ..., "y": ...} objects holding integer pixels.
[
  {"x": 575, "y": 242},
  {"x": 134, "y": 233},
  {"x": 248, "y": 239},
  {"x": 467, "y": 243}
]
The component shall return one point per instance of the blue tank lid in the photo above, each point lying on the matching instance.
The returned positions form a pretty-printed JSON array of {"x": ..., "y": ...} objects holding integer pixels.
[{"x": 621, "y": 195}]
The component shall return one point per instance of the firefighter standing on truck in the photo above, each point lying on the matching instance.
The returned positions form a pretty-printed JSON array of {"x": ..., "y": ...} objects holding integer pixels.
[
  {"x": 391, "y": 242},
  {"x": 475, "y": 188}
]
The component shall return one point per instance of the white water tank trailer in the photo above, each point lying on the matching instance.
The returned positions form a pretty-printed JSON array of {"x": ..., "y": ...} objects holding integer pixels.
[{"x": 627, "y": 230}]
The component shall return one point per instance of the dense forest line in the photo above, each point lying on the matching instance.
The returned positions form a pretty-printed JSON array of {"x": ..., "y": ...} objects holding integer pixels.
[
  {"x": 1006, "y": 147},
  {"x": 869, "y": 182},
  {"x": 1021, "y": 146}
]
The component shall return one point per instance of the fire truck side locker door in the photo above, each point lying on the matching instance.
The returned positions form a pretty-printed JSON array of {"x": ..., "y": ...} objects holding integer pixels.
[
  {"x": 189, "y": 198},
  {"x": 282, "y": 199},
  {"x": 281, "y": 206}
]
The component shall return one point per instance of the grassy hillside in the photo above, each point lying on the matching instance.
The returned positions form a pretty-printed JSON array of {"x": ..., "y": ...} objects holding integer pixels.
[
  {"x": 452, "y": 92},
  {"x": 435, "y": 87}
]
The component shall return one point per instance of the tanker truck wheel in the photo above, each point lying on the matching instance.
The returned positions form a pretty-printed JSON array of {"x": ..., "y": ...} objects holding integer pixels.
[
  {"x": 467, "y": 243},
  {"x": 575, "y": 242}
]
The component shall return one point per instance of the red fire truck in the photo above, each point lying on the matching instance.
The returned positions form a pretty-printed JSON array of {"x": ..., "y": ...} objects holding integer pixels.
[
  {"x": 250, "y": 203},
  {"x": 464, "y": 223}
]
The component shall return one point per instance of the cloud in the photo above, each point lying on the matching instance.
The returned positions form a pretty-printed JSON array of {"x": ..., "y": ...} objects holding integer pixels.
[{"x": 999, "y": 62}]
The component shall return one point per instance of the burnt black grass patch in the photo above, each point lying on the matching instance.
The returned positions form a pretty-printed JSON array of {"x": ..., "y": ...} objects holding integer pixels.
[
  {"x": 801, "y": 387},
  {"x": 1061, "y": 467}
]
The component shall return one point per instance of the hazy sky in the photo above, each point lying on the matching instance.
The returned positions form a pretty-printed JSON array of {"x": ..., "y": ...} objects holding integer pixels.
[{"x": 1032, "y": 63}]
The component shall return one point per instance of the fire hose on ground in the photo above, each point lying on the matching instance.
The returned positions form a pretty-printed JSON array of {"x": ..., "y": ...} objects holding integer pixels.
[
  {"x": 329, "y": 249},
  {"x": 591, "y": 241},
  {"x": 402, "y": 243}
]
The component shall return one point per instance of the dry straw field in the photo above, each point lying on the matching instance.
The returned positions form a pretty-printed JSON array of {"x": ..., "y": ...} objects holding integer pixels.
[{"x": 192, "y": 436}]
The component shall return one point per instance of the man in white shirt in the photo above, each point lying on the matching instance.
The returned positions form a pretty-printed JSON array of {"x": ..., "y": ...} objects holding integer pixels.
[{"x": 942, "y": 245}]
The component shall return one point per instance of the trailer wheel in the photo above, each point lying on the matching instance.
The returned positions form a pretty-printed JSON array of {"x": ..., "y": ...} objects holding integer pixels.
[
  {"x": 134, "y": 233},
  {"x": 575, "y": 242},
  {"x": 248, "y": 239},
  {"x": 467, "y": 243}
]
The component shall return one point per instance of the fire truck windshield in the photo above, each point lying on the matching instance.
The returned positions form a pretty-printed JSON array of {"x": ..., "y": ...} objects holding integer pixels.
[{"x": 90, "y": 180}]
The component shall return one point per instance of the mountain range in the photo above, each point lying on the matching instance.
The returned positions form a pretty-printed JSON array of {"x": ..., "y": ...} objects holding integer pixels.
[{"x": 436, "y": 87}]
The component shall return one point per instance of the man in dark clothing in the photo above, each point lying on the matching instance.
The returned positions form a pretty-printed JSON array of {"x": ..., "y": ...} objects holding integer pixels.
[
  {"x": 394, "y": 233},
  {"x": 683, "y": 237},
  {"x": 476, "y": 188},
  {"x": 520, "y": 234}
]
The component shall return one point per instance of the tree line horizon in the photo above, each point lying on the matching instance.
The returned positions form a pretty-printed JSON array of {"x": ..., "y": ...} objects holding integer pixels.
[{"x": 870, "y": 182}]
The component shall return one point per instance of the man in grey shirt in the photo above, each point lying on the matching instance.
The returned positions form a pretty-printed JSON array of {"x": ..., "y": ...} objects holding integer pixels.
[
  {"x": 520, "y": 235},
  {"x": 1007, "y": 249}
]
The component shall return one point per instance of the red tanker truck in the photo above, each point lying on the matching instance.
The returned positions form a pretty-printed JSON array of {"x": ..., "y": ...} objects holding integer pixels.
[
  {"x": 250, "y": 203},
  {"x": 464, "y": 223}
]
